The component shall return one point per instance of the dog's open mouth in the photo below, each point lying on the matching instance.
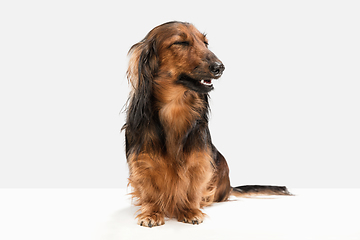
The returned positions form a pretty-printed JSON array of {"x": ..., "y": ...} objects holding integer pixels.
[
  {"x": 204, "y": 85},
  {"x": 206, "y": 82}
]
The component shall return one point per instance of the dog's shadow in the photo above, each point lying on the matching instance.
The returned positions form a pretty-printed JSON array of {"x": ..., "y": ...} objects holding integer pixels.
[
  {"x": 123, "y": 225},
  {"x": 120, "y": 224}
]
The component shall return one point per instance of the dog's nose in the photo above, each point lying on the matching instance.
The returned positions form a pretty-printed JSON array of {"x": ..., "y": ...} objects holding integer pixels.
[{"x": 217, "y": 68}]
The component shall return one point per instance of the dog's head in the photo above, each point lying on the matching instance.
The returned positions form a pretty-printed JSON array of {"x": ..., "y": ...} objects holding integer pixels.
[{"x": 176, "y": 51}]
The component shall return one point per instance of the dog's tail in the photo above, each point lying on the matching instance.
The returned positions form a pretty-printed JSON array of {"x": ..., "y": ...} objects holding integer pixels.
[{"x": 259, "y": 190}]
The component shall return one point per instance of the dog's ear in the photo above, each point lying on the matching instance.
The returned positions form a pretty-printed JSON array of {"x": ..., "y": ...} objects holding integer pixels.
[
  {"x": 143, "y": 62},
  {"x": 143, "y": 65}
]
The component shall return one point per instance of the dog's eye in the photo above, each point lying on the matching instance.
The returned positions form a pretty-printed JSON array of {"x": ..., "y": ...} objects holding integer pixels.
[
  {"x": 183, "y": 43},
  {"x": 206, "y": 43}
]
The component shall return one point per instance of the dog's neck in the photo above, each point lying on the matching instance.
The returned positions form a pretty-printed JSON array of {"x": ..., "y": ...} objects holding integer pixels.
[{"x": 179, "y": 111}]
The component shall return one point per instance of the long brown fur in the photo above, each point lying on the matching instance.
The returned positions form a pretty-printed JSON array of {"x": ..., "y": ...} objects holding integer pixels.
[{"x": 174, "y": 168}]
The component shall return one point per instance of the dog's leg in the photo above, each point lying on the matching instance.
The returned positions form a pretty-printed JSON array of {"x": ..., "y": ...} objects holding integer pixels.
[
  {"x": 150, "y": 215},
  {"x": 190, "y": 212},
  {"x": 147, "y": 181},
  {"x": 199, "y": 173},
  {"x": 221, "y": 179},
  {"x": 192, "y": 216}
]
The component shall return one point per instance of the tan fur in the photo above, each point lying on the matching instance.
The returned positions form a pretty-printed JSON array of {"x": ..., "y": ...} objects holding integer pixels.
[
  {"x": 132, "y": 72},
  {"x": 173, "y": 188},
  {"x": 179, "y": 108}
]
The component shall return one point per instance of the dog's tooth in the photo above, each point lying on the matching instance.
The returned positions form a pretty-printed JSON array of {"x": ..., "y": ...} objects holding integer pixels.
[{"x": 204, "y": 82}]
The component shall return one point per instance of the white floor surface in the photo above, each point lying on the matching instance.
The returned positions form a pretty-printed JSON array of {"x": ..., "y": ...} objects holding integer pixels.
[{"x": 107, "y": 214}]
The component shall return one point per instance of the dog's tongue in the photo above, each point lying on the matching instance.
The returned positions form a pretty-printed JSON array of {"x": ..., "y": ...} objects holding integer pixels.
[{"x": 206, "y": 82}]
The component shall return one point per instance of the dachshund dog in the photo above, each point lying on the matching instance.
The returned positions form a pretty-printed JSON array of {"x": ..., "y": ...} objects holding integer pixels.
[{"x": 174, "y": 168}]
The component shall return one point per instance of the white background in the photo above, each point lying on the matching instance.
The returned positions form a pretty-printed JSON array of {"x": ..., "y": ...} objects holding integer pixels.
[{"x": 286, "y": 111}]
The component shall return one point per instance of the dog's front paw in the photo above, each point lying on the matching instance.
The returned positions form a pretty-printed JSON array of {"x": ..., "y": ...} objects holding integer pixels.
[
  {"x": 192, "y": 216},
  {"x": 151, "y": 219}
]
